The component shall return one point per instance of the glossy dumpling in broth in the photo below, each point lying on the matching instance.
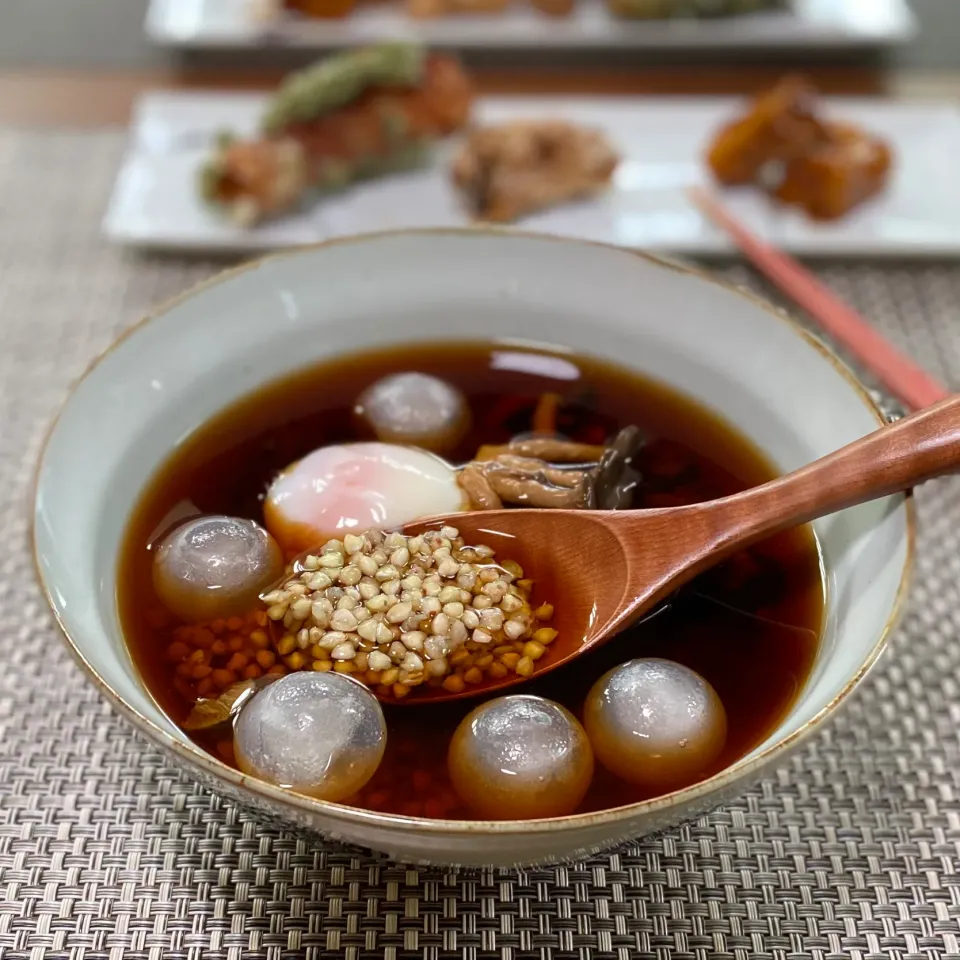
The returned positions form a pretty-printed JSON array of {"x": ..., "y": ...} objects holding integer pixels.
[
  {"x": 415, "y": 409},
  {"x": 214, "y": 566}
]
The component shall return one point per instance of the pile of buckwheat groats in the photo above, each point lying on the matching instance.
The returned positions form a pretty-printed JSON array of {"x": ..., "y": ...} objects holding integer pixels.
[{"x": 396, "y": 612}]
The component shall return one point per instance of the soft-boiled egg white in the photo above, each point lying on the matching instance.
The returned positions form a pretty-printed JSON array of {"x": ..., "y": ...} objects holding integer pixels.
[{"x": 353, "y": 487}]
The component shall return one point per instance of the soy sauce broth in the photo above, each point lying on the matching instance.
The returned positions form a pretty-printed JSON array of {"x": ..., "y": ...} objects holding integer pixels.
[{"x": 751, "y": 626}]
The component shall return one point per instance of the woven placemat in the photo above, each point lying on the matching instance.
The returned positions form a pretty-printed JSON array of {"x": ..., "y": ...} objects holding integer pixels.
[{"x": 853, "y": 848}]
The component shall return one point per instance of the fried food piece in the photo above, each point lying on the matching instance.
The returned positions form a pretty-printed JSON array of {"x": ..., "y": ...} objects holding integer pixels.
[
  {"x": 664, "y": 9},
  {"x": 554, "y": 8},
  {"x": 835, "y": 176},
  {"x": 383, "y": 129},
  {"x": 336, "y": 81},
  {"x": 321, "y": 9},
  {"x": 779, "y": 125},
  {"x": 430, "y": 9},
  {"x": 517, "y": 168},
  {"x": 253, "y": 180}
]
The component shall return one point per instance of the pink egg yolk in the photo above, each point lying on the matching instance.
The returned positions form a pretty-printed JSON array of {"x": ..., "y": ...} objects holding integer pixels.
[{"x": 353, "y": 487}]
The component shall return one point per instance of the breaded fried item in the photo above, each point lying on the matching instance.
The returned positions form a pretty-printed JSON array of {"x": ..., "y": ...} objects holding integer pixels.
[
  {"x": 430, "y": 9},
  {"x": 554, "y": 8},
  {"x": 363, "y": 125},
  {"x": 321, "y": 9},
  {"x": 850, "y": 166},
  {"x": 513, "y": 169},
  {"x": 668, "y": 9}
]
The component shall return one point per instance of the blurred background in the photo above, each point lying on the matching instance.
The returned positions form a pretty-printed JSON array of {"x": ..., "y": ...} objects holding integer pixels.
[
  {"x": 180, "y": 71},
  {"x": 109, "y": 34},
  {"x": 112, "y": 115}
]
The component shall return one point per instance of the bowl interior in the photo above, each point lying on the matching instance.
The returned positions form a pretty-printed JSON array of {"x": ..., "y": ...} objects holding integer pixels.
[{"x": 212, "y": 347}]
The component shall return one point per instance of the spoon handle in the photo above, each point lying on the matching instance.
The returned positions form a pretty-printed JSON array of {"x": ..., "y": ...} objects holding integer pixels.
[{"x": 894, "y": 458}]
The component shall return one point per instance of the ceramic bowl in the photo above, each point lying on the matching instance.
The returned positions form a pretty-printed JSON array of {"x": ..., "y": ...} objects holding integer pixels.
[{"x": 781, "y": 387}]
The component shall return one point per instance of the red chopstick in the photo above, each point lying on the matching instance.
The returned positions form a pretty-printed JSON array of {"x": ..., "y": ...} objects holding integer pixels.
[{"x": 912, "y": 385}]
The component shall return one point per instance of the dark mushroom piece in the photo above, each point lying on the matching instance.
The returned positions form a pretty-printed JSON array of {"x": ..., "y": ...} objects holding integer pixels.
[
  {"x": 554, "y": 474},
  {"x": 561, "y": 475},
  {"x": 532, "y": 483},
  {"x": 614, "y": 479},
  {"x": 475, "y": 484},
  {"x": 551, "y": 449}
]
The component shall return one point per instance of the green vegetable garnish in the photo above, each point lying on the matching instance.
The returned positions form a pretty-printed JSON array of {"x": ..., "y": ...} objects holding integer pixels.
[{"x": 336, "y": 81}]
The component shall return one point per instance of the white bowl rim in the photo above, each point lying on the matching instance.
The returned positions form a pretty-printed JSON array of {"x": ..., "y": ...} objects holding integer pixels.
[{"x": 194, "y": 756}]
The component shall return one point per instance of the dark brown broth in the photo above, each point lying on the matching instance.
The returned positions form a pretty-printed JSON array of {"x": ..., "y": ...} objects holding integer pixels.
[{"x": 750, "y": 626}]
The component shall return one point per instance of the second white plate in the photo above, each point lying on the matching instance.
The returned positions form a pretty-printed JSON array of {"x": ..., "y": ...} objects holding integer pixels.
[
  {"x": 804, "y": 24},
  {"x": 661, "y": 140}
]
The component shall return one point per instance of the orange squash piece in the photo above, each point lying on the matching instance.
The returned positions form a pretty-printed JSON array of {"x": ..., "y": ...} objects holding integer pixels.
[
  {"x": 779, "y": 125},
  {"x": 835, "y": 176}
]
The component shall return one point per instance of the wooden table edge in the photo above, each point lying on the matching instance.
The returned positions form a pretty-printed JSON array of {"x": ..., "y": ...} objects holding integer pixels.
[{"x": 91, "y": 99}]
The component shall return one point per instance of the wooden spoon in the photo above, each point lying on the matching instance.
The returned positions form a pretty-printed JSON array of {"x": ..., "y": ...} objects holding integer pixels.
[{"x": 603, "y": 569}]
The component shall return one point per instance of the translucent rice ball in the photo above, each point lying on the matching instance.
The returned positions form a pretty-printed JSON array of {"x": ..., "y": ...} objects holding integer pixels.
[
  {"x": 655, "y": 723},
  {"x": 216, "y": 566},
  {"x": 415, "y": 409},
  {"x": 322, "y": 734},
  {"x": 520, "y": 757}
]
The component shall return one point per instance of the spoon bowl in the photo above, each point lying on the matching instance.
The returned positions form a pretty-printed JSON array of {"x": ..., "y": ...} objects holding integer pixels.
[{"x": 578, "y": 561}]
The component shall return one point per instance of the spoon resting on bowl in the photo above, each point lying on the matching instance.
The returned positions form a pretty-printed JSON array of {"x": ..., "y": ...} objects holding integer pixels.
[{"x": 606, "y": 568}]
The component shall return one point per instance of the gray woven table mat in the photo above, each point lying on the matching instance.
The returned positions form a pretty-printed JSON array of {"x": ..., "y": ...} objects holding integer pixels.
[{"x": 105, "y": 851}]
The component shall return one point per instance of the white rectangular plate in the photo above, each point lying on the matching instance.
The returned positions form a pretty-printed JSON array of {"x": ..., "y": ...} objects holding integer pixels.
[
  {"x": 661, "y": 140},
  {"x": 805, "y": 24}
]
